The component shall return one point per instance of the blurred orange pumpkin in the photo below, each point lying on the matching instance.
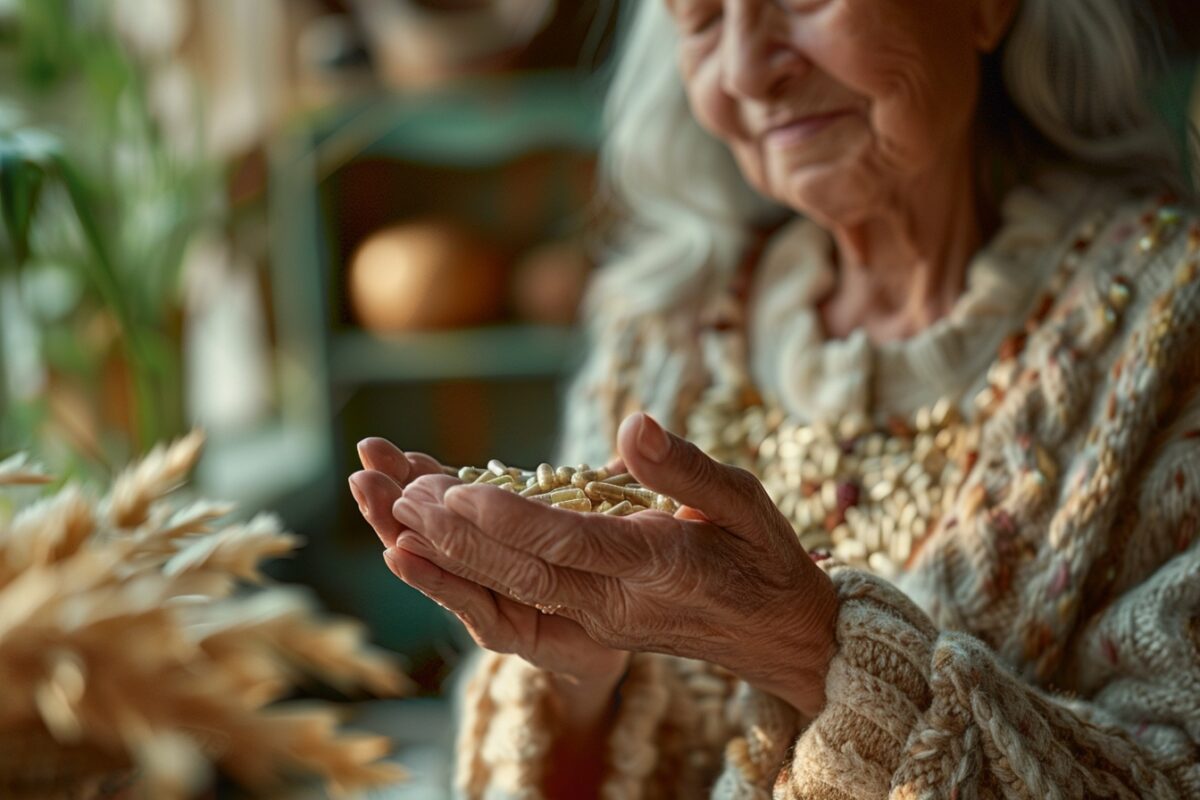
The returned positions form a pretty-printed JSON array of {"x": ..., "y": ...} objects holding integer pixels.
[{"x": 426, "y": 274}]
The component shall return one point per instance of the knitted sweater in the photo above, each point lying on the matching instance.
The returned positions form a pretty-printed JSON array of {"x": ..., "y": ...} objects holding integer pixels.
[{"x": 1042, "y": 643}]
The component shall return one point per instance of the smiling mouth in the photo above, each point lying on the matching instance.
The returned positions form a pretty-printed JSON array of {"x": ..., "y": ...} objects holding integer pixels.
[{"x": 802, "y": 129}]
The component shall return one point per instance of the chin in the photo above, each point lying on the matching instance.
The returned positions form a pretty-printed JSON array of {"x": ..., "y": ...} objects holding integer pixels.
[{"x": 841, "y": 193}]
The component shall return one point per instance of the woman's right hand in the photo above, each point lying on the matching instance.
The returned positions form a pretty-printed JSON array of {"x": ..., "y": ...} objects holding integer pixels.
[{"x": 584, "y": 670}]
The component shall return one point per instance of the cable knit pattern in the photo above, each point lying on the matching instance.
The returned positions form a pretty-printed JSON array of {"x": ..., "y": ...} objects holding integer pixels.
[{"x": 1042, "y": 644}]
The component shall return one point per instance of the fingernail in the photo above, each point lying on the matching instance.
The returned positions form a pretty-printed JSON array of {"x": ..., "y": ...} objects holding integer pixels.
[
  {"x": 357, "y": 491},
  {"x": 362, "y": 454},
  {"x": 652, "y": 440}
]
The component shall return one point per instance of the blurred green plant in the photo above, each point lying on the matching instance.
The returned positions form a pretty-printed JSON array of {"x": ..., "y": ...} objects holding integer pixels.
[{"x": 97, "y": 207}]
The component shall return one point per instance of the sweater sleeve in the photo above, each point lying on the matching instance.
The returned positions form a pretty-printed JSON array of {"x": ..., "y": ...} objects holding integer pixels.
[
  {"x": 914, "y": 712},
  {"x": 911, "y": 712}
]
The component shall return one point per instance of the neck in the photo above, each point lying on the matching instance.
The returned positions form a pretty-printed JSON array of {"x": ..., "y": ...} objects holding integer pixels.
[{"x": 902, "y": 269}]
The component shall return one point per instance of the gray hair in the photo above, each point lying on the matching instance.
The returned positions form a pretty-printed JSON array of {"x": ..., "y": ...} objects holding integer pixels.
[{"x": 1077, "y": 71}]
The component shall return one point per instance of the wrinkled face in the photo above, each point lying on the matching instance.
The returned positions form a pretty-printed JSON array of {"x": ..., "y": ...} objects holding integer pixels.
[{"x": 833, "y": 107}]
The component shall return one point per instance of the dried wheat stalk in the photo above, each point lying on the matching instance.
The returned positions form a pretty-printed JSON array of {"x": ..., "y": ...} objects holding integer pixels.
[{"x": 127, "y": 647}]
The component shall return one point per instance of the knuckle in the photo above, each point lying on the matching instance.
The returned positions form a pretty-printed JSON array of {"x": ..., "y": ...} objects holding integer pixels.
[
  {"x": 458, "y": 547},
  {"x": 533, "y": 580},
  {"x": 745, "y": 483}
]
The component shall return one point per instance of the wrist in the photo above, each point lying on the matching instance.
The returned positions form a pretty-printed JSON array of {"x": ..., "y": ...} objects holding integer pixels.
[
  {"x": 794, "y": 660},
  {"x": 586, "y": 700}
]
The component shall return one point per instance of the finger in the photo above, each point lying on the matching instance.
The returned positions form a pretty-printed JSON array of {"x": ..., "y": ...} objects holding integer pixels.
[
  {"x": 431, "y": 488},
  {"x": 375, "y": 493},
  {"x": 595, "y": 543},
  {"x": 415, "y": 542},
  {"x": 494, "y": 622},
  {"x": 522, "y": 576},
  {"x": 379, "y": 454},
  {"x": 730, "y": 498},
  {"x": 474, "y": 605}
]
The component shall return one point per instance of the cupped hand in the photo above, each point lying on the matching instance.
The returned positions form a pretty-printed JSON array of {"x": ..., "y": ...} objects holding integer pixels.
[
  {"x": 495, "y": 622},
  {"x": 386, "y": 471},
  {"x": 723, "y": 580}
]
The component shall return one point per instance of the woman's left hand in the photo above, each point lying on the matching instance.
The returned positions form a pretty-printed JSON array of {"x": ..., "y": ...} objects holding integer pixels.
[{"x": 723, "y": 580}]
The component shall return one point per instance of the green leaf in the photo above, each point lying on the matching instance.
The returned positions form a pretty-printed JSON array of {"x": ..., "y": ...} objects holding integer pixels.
[
  {"x": 102, "y": 273},
  {"x": 20, "y": 185}
]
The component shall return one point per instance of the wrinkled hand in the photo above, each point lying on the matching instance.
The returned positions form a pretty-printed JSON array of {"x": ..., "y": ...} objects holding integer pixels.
[
  {"x": 495, "y": 621},
  {"x": 724, "y": 580}
]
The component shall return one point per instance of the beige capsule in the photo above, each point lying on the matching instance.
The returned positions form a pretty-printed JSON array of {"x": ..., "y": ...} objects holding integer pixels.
[
  {"x": 605, "y": 491},
  {"x": 620, "y": 479},
  {"x": 497, "y": 467},
  {"x": 912, "y": 473},
  {"x": 871, "y": 536},
  {"x": 469, "y": 474},
  {"x": 882, "y": 566},
  {"x": 664, "y": 503},
  {"x": 563, "y": 474},
  {"x": 640, "y": 496},
  {"x": 578, "y": 504},
  {"x": 875, "y": 445},
  {"x": 560, "y": 496},
  {"x": 545, "y": 477},
  {"x": 944, "y": 412},
  {"x": 767, "y": 448},
  {"x": 531, "y": 490},
  {"x": 855, "y": 516},
  {"x": 900, "y": 546},
  {"x": 603, "y": 507},
  {"x": 853, "y": 425},
  {"x": 829, "y": 498},
  {"x": 583, "y": 477},
  {"x": 501, "y": 480},
  {"x": 621, "y": 509},
  {"x": 831, "y": 461},
  {"x": 851, "y": 551}
]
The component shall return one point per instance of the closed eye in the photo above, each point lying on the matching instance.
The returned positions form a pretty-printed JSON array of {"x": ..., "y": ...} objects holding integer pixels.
[{"x": 705, "y": 22}]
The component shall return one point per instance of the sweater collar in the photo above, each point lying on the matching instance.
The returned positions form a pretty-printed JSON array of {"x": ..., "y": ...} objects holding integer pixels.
[{"x": 820, "y": 380}]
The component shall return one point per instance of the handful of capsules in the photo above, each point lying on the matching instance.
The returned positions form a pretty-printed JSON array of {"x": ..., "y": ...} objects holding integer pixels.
[{"x": 578, "y": 488}]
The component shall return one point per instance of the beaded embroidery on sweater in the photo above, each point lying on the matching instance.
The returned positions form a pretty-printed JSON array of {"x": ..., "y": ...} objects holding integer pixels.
[{"x": 1040, "y": 643}]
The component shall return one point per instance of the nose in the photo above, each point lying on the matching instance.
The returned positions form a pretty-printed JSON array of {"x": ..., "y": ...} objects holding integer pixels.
[{"x": 755, "y": 54}]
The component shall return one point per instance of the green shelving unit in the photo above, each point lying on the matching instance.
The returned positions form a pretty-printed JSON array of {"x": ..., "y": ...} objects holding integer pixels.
[{"x": 338, "y": 380}]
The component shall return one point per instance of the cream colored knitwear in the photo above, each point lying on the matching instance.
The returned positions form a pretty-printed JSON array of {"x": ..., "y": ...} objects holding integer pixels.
[{"x": 1045, "y": 641}]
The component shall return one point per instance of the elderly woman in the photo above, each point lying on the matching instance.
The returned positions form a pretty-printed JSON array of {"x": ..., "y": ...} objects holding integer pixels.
[{"x": 909, "y": 277}]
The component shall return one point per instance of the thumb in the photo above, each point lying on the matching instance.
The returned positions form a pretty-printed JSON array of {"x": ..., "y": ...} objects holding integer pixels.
[{"x": 729, "y": 497}]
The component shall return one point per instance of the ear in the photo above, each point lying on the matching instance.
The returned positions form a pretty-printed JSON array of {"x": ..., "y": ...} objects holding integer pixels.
[{"x": 992, "y": 20}]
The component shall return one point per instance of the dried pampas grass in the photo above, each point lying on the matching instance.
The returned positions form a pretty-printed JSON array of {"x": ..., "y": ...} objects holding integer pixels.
[{"x": 127, "y": 651}]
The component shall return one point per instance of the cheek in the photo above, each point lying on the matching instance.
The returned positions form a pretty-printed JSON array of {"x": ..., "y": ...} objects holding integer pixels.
[
  {"x": 917, "y": 70},
  {"x": 719, "y": 116},
  {"x": 710, "y": 106}
]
